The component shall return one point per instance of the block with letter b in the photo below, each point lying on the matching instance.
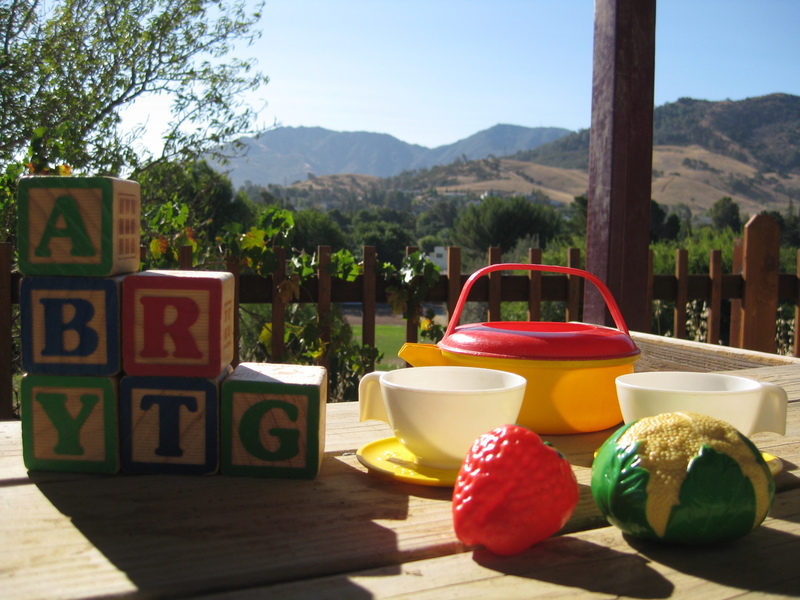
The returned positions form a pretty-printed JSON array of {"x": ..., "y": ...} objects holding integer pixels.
[
  {"x": 78, "y": 226},
  {"x": 272, "y": 421},
  {"x": 71, "y": 325},
  {"x": 169, "y": 425},
  {"x": 177, "y": 323},
  {"x": 69, "y": 423}
]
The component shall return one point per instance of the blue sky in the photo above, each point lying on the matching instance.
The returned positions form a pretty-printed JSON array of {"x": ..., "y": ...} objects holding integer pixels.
[{"x": 431, "y": 72}]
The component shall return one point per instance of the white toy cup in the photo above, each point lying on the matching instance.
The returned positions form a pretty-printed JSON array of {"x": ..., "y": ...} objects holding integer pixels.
[
  {"x": 748, "y": 405},
  {"x": 438, "y": 412}
]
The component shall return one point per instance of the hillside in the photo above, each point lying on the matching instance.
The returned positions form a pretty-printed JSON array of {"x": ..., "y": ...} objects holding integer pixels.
[
  {"x": 286, "y": 155},
  {"x": 748, "y": 150}
]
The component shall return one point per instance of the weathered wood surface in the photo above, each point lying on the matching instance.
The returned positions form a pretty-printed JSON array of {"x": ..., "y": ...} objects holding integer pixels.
[{"x": 352, "y": 534}]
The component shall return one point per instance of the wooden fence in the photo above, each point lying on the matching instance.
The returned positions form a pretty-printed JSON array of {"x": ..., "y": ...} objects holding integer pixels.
[{"x": 754, "y": 288}]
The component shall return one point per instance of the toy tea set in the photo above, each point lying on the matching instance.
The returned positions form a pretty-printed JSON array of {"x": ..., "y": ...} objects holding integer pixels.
[{"x": 560, "y": 378}]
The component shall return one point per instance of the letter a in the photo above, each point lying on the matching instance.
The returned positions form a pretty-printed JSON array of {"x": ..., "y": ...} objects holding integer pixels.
[{"x": 66, "y": 208}]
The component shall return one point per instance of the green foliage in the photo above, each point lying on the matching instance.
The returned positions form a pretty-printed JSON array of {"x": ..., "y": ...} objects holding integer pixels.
[
  {"x": 725, "y": 214},
  {"x": 313, "y": 228},
  {"x": 70, "y": 66},
  {"x": 408, "y": 286}
]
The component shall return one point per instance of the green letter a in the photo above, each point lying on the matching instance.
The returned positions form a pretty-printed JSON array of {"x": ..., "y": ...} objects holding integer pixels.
[{"x": 74, "y": 229}]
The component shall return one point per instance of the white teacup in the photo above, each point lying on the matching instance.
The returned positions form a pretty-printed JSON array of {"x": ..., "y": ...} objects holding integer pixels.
[
  {"x": 438, "y": 412},
  {"x": 748, "y": 405}
]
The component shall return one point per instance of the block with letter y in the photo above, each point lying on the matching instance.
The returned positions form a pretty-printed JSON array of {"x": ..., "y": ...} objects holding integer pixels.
[
  {"x": 71, "y": 325},
  {"x": 177, "y": 323},
  {"x": 78, "y": 226},
  {"x": 272, "y": 421},
  {"x": 69, "y": 423}
]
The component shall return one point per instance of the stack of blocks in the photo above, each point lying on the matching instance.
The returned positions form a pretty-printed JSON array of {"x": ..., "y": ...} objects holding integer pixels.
[{"x": 134, "y": 368}]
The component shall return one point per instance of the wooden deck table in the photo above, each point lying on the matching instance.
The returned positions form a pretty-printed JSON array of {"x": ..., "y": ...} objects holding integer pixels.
[{"x": 352, "y": 534}]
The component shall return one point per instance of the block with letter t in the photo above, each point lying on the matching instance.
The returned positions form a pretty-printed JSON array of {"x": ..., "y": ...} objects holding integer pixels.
[
  {"x": 69, "y": 423},
  {"x": 177, "y": 323},
  {"x": 272, "y": 421},
  {"x": 71, "y": 325},
  {"x": 78, "y": 226},
  {"x": 169, "y": 425}
]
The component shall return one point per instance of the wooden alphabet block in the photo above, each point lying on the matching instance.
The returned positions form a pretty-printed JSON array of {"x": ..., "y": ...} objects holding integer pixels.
[
  {"x": 273, "y": 420},
  {"x": 78, "y": 226},
  {"x": 69, "y": 423},
  {"x": 177, "y": 323},
  {"x": 70, "y": 325},
  {"x": 169, "y": 425}
]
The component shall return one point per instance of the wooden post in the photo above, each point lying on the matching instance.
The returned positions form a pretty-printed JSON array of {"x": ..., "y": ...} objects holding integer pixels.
[
  {"x": 760, "y": 273},
  {"x": 185, "y": 258},
  {"x": 495, "y": 283},
  {"x": 574, "y": 286},
  {"x": 535, "y": 289},
  {"x": 412, "y": 325},
  {"x": 453, "y": 278},
  {"x": 620, "y": 157},
  {"x": 232, "y": 264},
  {"x": 6, "y": 359},
  {"x": 324, "y": 302},
  {"x": 368, "y": 291},
  {"x": 796, "y": 342},
  {"x": 735, "y": 333},
  {"x": 715, "y": 303},
  {"x": 278, "y": 307},
  {"x": 681, "y": 296}
]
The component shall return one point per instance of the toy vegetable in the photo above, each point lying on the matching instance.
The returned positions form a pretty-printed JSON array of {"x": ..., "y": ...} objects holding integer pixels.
[{"x": 682, "y": 477}]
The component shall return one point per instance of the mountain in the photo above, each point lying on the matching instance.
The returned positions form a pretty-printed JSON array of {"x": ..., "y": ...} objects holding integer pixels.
[{"x": 288, "y": 154}]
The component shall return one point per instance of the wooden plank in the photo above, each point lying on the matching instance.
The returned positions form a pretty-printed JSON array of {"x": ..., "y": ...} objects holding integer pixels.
[
  {"x": 574, "y": 286},
  {"x": 535, "y": 286},
  {"x": 796, "y": 342},
  {"x": 324, "y": 302},
  {"x": 620, "y": 157},
  {"x": 591, "y": 564},
  {"x": 368, "y": 281},
  {"x": 278, "y": 307},
  {"x": 454, "y": 282},
  {"x": 495, "y": 286},
  {"x": 681, "y": 298},
  {"x": 761, "y": 263},
  {"x": 715, "y": 303},
  {"x": 233, "y": 267},
  {"x": 412, "y": 325},
  {"x": 6, "y": 323}
]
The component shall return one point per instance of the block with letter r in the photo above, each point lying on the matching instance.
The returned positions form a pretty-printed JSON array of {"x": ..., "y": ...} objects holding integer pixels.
[
  {"x": 177, "y": 323},
  {"x": 272, "y": 421},
  {"x": 69, "y": 423},
  {"x": 169, "y": 425},
  {"x": 78, "y": 226},
  {"x": 70, "y": 325}
]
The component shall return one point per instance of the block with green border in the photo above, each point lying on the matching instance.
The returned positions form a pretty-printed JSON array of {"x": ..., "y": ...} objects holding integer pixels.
[
  {"x": 272, "y": 421},
  {"x": 78, "y": 226},
  {"x": 69, "y": 423}
]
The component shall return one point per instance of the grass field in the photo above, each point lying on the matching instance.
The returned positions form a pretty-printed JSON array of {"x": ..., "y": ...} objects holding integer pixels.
[{"x": 389, "y": 339}]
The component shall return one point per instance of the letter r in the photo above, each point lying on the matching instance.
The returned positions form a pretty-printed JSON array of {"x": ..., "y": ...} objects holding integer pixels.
[{"x": 155, "y": 328}]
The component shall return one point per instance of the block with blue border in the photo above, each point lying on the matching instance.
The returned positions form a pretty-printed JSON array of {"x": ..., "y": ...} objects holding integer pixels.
[
  {"x": 69, "y": 423},
  {"x": 70, "y": 325},
  {"x": 169, "y": 425},
  {"x": 272, "y": 421},
  {"x": 78, "y": 226}
]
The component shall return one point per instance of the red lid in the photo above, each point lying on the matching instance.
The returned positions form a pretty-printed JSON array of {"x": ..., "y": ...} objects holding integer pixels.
[{"x": 540, "y": 341}]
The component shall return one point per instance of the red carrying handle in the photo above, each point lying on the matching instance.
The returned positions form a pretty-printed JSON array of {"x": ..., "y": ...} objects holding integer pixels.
[{"x": 604, "y": 291}]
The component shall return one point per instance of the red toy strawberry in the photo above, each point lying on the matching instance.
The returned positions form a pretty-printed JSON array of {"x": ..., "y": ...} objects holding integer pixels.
[{"x": 513, "y": 490}]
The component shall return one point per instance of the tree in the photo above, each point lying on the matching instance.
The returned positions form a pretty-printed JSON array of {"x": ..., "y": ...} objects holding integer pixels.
[
  {"x": 313, "y": 228},
  {"x": 68, "y": 67},
  {"x": 725, "y": 214},
  {"x": 501, "y": 222}
]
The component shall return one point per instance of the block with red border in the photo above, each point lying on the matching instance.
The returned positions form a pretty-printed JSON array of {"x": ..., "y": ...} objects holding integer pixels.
[
  {"x": 169, "y": 424},
  {"x": 272, "y": 421},
  {"x": 69, "y": 423},
  {"x": 70, "y": 325},
  {"x": 78, "y": 226},
  {"x": 177, "y": 323}
]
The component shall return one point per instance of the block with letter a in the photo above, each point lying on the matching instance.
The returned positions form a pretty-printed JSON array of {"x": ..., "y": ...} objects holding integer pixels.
[
  {"x": 177, "y": 323},
  {"x": 78, "y": 226}
]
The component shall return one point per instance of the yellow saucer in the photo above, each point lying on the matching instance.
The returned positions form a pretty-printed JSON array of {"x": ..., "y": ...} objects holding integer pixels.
[
  {"x": 390, "y": 458},
  {"x": 773, "y": 462}
]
